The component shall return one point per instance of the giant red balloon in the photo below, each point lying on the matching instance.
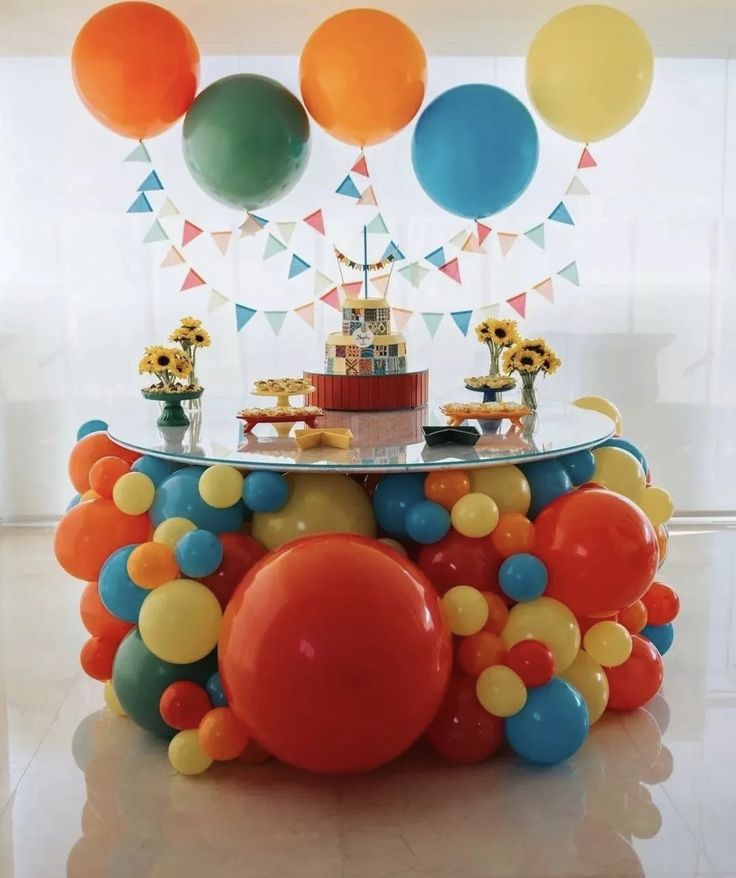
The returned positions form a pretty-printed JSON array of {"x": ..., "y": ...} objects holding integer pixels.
[
  {"x": 459, "y": 560},
  {"x": 600, "y": 551},
  {"x": 334, "y": 653},
  {"x": 638, "y": 679},
  {"x": 239, "y": 553}
]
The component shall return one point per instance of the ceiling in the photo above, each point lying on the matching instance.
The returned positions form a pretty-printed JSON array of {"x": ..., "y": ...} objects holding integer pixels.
[{"x": 680, "y": 28}]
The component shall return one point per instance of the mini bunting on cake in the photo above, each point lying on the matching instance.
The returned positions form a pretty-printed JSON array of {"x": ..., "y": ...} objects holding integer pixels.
[
  {"x": 518, "y": 303},
  {"x": 482, "y": 231},
  {"x": 472, "y": 244},
  {"x": 332, "y": 298},
  {"x": 168, "y": 208},
  {"x": 189, "y": 232},
  {"x": 452, "y": 270},
  {"x": 570, "y": 273},
  {"x": 354, "y": 264},
  {"x": 348, "y": 188},
  {"x": 151, "y": 183},
  {"x": 436, "y": 257},
  {"x": 561, "y": 215},
  {"x": 222, "y": 240},
  {"x": 380, "y": 283},
  {"x": 577, "y": 187},
  {"x": 217, "y": 300},
  {"x": 506, "y": 241},
  {"x": 361, "y": 166},
  {"x": 242, "y": 315},
  {"x": 432, "y": 319},
  {"x": 401, "y": 317},
  {"x": 273, "y": 246},
  {"x": 462, "y": 320},
  {"x": 192, "y": 280},
  {"x": 286, "y": 230},
  {"x": 155, "y": 233},
  {"x": 368, "y": 196},
  {"x": 140, "y": 205},
  {"x": 587, "y": 160},
  {"x": 315, "y": 221},
  {"x": 377, "y": 226},
  {"x": 306, "y": 312},
  {"x": 321, "y": 282},
  {"x": 545, "y": 288},
  {"x": 297, "y": 266},
  {"x": 139, "y": 154},
  {"x": 173, "y": 257},
  {"x": 536, "y": 235},
  {"x": 275, "y": 320}
]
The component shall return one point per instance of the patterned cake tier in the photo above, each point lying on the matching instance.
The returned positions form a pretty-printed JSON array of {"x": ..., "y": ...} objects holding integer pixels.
[
  {"x": 375, "y": 314},
  {"x": 366, "y": 345}
]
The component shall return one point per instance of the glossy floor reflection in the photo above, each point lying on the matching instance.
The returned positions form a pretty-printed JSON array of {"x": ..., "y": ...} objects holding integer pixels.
[{"x": 86, "y": 794}]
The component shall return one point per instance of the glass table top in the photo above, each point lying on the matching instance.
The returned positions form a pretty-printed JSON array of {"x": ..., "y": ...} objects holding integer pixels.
[{"x": 383, "y": 441}]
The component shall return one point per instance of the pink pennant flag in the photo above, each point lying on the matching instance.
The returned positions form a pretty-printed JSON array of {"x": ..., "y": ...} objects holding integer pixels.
[
  {"x": 173, "y": 257},
  {"x": 368, "y": 197},
  {"x": 315, "y": 221},
  {"x": 587, "y": 160},
  {"x": 401, "y": 316},
  {"x": 472, "y": 245},
  {"x": 483, "y": 231},
  {"x": 189, "y": 233},
  {"x": 506, "y": 241},
  {"x": 192, "y": 280},
  {"x": 306, "y": 312},
  {"x": 353, "y": 289},
  {"x": 332, "y": 298},
  {"x": 222, "y": 241},
  {"x": 360, "y": 166},
  {"x": 381, "y": 283},
  {"x": 545, "y": 288},
  {"x": 518, "y": 303},
  {"x": 452, "y": 270}
]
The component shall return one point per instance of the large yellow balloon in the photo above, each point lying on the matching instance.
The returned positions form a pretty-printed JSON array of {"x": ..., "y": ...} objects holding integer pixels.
[
  {"x": 466, "y": 610},
  {"x": 619, "y": 471},
  {"x": 604, "y": 407},
  {"x": 657, "y": 505},
  {"x": 500, "y": 690},
  {"x": 180, "y": 621},
  {"x": 506, "y": 485},
  {"x": 186, "y": 755},
  {"x": 589, "y": 71},
  {"x": 548, "y": 621},
  {"x": 319, "y": 503},
  {"x": 589, "y": 678}
]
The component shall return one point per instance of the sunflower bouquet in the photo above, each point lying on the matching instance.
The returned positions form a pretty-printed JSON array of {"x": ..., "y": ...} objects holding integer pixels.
[
  {"x": 498, "y": 335},
  {"x": 528, "y": 357},
  {"x": 190, "y": 335},
  {"x": 173, "y": 367}
]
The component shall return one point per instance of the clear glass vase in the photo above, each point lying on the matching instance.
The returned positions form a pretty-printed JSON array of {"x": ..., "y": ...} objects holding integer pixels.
[{"x": 528, "y": 393}]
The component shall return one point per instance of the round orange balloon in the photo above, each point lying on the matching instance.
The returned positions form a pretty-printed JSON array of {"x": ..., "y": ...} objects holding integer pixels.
[
  {"x": 498, "y": 613},
  {"x": 152, "y": 564},
  {"x": 633, "y": 618},
  {"x": 363, "y": 74},
  {"x": 135, "y": 68},
  {"x": 513, "y": 534},
  {"x": 480, "y": 651},
  {"x": 446, "y": 487},
  {"x": 88, "y": 451},
  {"x": 96, "y": 658},
  {"x": 221, "y": 736},
  {"x": 105, "y": 472}
]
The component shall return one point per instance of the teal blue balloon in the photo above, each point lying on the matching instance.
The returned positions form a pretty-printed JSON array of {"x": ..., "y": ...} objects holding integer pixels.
[
  {"x": 154, "y": 467},
  {"x": 73, "y": 502},
  {"x": 246, "y": 140},
  {"x": 93, "y": 426},
  {"x": 475, "y": 150},
  {"x": 662, "y": 636},
  {"x": 178, "y": 497},
  {"x": 120, "y": 595},
  {"x": 393, "y": 497},
  {"x": 580, "y": 466},
  {"x": 548, "y": 480}
]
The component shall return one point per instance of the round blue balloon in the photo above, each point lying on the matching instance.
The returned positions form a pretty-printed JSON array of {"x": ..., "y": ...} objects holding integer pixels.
[
  {"x": 73, "y": 502},
  {"x": 214, "y": 689},
  {"x": 552, "y": 725},
  {"x": 427, "y": 522},
  {"x": 393, "y": 498},
  {"x": 548, "y": 480},
  {"x": 120, "y": 595},
  {"x": 93, "y": 426},
  {"x": 154, "y": 467},
  {"x": 265, "y": 491},
  {"x": 522, "y": 577},
  {"x": 580, "y": 466},
  {"x": 475, "y": 150},
  {"x": 618, "y": 442},
  {"x": 178, "y": 496},
  {"x": 662, "y": 636},
  {"x": 198, "y": 553}
]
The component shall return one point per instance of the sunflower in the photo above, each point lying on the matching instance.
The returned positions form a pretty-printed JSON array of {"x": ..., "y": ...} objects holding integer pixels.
[
  {"x": 482, "y": 332},
  {"x": 182, "y": 367},
  {"x": 200, "y": 338},
  {"x": 182, "y": 334},
  {"x": 190, "y": 322},
  {"x": 519, "y": 359},
  {"x": 162, "y": 359},
  {"x": 145, "y": 366},
  {"x": 502, "y": 333},
  {"x": 551, "y": 363}
]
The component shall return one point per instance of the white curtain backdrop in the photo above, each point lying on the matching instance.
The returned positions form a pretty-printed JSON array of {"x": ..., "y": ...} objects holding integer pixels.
[{"x": 651, "y": 325}]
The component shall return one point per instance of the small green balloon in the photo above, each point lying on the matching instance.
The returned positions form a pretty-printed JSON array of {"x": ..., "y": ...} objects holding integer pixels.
[
  {"x": 139, "y": 679},
  {"x": 246, "y": 140}
]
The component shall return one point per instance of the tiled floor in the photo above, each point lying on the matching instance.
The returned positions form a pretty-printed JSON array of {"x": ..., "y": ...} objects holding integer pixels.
[{"x": 86, "y": 794}]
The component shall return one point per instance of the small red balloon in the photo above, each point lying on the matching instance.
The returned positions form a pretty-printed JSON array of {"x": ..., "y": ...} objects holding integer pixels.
[
  {"x": 638, "y": 679},
  {"x": 239, "y": 553},
  {"x": 532, "y": 661},
  {"x": 184, "y": 704},
  {"x": 463, "y": 732},
  {"x": 97, "y": 656},
  {"x": 662, "y": 604},
  {"x": 459, "y": 560}
]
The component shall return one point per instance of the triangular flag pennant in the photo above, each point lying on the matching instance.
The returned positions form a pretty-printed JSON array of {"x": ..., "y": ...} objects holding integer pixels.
[
  {"x": 353, "y": 289},
  {"x": 518, "y": 303},
  {"x": 173, "y": 257},
  {"x": 436, "y": 257},
  {"x": 273, "y": 246},
  {"x": 545, "y": 288},
  {"x": 262, "y": 221},
  {"x": 306, "y": 312},
  {"x": 151, "y": 183},
  {"x": 414, "y": 273},
  {"x": 140, "y": 205},
  {"x": 242, "y": 315},
  {"x": 401, "y": 316},
  {"x": 459, "y": 239},
  {"x": 368, "y": 196},
  {"x": 482, "y": 231},
  {"x": 587, "y": 160},
  {"x": 433, "y": 320},
  {"x": 222, "y": 240},
  {"x": 472, "y": 244},
  {"x": 577, "y": 187},
  {"x": 462, "y": 319},
  {"x": 192, "y": 280},
  {"x": 570, "y": 272},
  {"x": 536, "y": 235},
  {"x": 381, "y": 283},
  {"x": 250, "y": 227},
  {"x": 361, "y": 166},
  {"x": 377, "y": 226},
  {"x": 321, "y": 281},
  {"x": 488, "y": 311},
  {"x": 189, "y": 232},
  {"x": 506, "y": 241},
  {"x": 561, "y": 215},
  {"x": 393, "y": 250},
  {"x": 286, "y": 230},
  {"x": 297, "y": 266},
  {"x": 276, "y": 320},
  {"x": 332, "y": 298},
  {"x": 156, "y": 233},
  {"x": 139, "y": 154},
  {"x": 347, "y": 187},
  {"x": 315, "y": 221},
  {"x": 168, "y": 209},
  {"x": 452, "y": 270},
  {"x": 217, "y": 300}
]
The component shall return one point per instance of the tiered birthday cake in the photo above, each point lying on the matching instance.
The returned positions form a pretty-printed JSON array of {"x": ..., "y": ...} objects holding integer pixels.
[{"x": 366, "y": 345}]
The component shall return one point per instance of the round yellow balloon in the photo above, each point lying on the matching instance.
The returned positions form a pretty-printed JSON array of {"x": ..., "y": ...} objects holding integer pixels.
[
  {"x": 185, "y": 754},
  {"x": 180, "y": 621},
  {"x": 500, "y": 690},
  {"x": 393, "y": 544},
  {"x": 608, "y": 643},
  {"x": 474, "y": 515},
  {"x": 505, "y": 485},
  {"x": 320, "y": 503},
  {"x": 589, "y": 71},
  {"x": 619, "y": 471},
  {"x": 111, "y": 699},
  {"x": 589, "y": 678},
  {"x": 133, "y": 493},
  {"x": 548, "y": 621},
  {"x": 604, "y": 407},
  {"x": 466, "y": 609},
  {"x": 657, "y": 505},
  {"x": 221, "y": 486},
  {"x": 170, "y": 531}
]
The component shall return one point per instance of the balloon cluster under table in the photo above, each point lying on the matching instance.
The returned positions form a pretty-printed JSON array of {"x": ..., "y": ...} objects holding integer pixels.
[{"x": 331, "y": 621}]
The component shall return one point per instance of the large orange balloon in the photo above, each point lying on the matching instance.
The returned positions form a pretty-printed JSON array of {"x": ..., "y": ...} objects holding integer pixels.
[
  {"x": 88, "y": 451},
  {"x": 363, "y": 74},
  {"x": 135, "y": 68}
]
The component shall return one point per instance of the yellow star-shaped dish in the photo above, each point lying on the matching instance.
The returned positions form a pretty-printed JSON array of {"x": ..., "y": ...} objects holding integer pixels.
[{"x": 335, "y": 437}]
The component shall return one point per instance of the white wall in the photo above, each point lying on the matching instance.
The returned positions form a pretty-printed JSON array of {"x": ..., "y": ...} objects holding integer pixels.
[{"x": 651, "y": 326}]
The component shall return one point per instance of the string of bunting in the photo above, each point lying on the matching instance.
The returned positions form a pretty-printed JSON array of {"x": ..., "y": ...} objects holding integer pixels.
[{"x": 385, "y": 262}]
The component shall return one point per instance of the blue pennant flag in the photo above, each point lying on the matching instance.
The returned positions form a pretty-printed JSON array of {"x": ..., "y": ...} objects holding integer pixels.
[
  {"x": 436, "y": 257},
  {"x": 347, "y": 187},
  {"x": 462, "y": 319},
  {"x": 151, "y": 183},
  {"x": 140, "y": 205},
  {"x": 259, "y": 219},
  {"x": 393, "y": 250},
  {"x": 561, "y": 215},
  {"x": 297, "y": 266},
  {"x": 243, "y": 315}
]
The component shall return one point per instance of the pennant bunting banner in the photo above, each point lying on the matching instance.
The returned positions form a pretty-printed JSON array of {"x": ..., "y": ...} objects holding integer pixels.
[
  {"x": 243, "y": 315},
  {"x": 472, "y": 244},
  {"x": 155, "y": 233},
  {"x": 217, "y": 300},
  {"x": 432, "y": 320},
  {"x": 361, "y": 166},
  {"x": 482, "y": 231},
  {"x": 506, "y": 241},
  {"x": 377, "y": 226},
  {"x": 570, "y": 272},
  {"x": 518, "y": 303},
  {"x": 536, "y": 235},
  {"x": 459, "y": 239},
  {"x": 436, "y": 257},
  {"x": 192, "y": 280},
  {"x": 286, "y": 230},
  {"x": 168, "y": 208},
  {"x": 321, "y": 282},
  {"x": 347, "y": 187},
  {"x": 173, "y": 257},
  {"x": 561, "y": 215},
  {"x": 380, "y": 283},
  {"x": 276, "y": 320},
  {"x": 393, "y": 251},
  {"x": 273, "y": 246},
  {"x": 452, "y": 270},
  {"x": 363, "y": 266},
  {"x": 587, "y": 160},
  {"x": 354, "y": 289},
  {"x": 222, "y": 240},
  {"x": 151, "y": 183},
  {"x": 297, "y": 266},
  {"x": 315, "y": 221},
  {"x": 332, "y": 299},
  {"x": 545, "y": 288},
  {"x": 140, "y": 205},
  {"x": 306, "y": 312},
  {"x": 139, "y": 154},
  {"x": 250, "y": 227},
  {"x": 401, "y": 317},
  {"x": 462, "y": 320},
  {"x": 189, "y": 232},
  {"x": 368, "y": 196},
  {"x": 577, "y": 187}
]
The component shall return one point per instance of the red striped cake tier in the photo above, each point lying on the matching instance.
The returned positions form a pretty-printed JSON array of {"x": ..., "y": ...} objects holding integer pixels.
[{"x": 369, "y": 393}]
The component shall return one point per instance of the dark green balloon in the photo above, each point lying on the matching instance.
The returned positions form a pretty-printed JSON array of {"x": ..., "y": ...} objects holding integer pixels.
[
  {"x": 139, "y": 679},
  {"x": 246, "y": 140}
]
